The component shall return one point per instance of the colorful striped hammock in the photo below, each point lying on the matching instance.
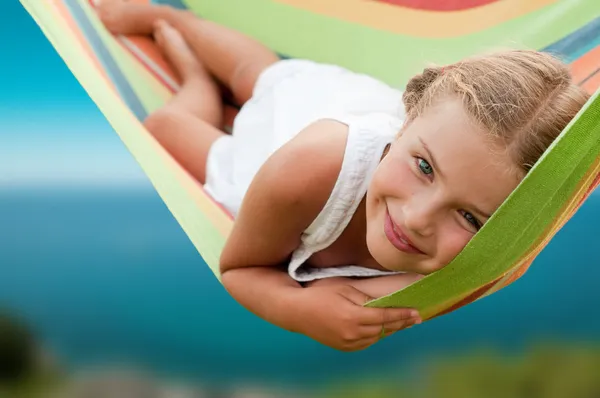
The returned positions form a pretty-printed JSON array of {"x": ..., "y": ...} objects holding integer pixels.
[{"x": 389, "y": 39}]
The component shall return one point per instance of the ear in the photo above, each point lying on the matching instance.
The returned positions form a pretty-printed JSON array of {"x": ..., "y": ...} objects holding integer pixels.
[{"x": 387, "y": 150}]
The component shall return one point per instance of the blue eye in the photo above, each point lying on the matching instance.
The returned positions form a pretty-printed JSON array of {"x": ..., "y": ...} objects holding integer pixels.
[
  {"x": 424, "y": 166},
  {"x": 472, "y": 220}
]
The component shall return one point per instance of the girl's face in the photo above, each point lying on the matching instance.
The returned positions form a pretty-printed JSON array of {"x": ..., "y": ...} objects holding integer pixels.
[{"x": 440, "y": 181}]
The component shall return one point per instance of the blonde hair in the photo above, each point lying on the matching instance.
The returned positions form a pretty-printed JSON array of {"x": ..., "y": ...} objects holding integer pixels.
[{"x": 523, "y": 98}]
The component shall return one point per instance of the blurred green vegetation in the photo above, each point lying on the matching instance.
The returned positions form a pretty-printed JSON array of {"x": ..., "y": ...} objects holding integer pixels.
[
  {"x": 17, "y": 350},
  {"x": 546, "y": 371},
  {"x": 551, "y": 370},
  {"x": 25, "y": 370}
]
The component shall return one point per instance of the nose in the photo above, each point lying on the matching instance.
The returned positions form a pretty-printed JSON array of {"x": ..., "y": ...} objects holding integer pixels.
[{"x": 419, "y": 216}]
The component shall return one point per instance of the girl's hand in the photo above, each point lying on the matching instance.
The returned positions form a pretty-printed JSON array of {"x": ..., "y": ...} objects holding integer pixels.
[{"x": 334, "y": 316}]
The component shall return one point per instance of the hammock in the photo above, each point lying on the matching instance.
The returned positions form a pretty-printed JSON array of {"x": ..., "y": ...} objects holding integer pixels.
[{"x": 391, "y": 40}]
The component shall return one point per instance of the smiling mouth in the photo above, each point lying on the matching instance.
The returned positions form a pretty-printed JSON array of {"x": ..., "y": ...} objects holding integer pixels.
[{"x": 397, "y": 238}]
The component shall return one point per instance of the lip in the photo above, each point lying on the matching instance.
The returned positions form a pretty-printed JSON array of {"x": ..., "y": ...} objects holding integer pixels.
[{"x": 397, "y": 237}]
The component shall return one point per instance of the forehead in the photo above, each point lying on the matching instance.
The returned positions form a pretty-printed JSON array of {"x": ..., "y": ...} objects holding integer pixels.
[{"x": 475, "y": 168}]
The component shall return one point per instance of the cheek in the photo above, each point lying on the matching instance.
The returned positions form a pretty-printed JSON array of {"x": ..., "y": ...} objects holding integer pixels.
[
  {"x": 452, "y": 239},
  {"x": 393, "y": 178}
]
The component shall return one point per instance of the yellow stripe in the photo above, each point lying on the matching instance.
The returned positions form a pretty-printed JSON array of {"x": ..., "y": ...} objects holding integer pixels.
[{"x": 426, "y": 24}]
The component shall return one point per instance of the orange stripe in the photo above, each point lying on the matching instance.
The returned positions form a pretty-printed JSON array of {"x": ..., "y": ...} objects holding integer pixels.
[
  {"x": 146, "y": 45},
  {"x": 592, "y": 84},
  {"x": 420, "y": 23},
  {"x": 467, "y": 300},
  {"x": 585, "y": 65},
  {"x": 594, "y": 185},
  {"x": 513, "y": 275}
]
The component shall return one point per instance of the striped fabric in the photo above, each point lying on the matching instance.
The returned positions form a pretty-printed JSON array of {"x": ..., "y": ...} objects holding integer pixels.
[{"x": 390, "y": 39}]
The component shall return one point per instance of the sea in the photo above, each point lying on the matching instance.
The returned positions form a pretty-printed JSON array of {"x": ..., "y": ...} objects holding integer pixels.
[{"x": 110, "y": 277}]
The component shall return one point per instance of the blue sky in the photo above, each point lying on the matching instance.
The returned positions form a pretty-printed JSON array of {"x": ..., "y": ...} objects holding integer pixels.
[{"x": 51, "y": 132}]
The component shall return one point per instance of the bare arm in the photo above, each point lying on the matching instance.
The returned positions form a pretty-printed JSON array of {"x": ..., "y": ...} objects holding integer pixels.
[{"x": 285, "y": 196}]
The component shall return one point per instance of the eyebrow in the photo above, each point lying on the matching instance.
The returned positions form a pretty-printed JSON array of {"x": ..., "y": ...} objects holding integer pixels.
[{"x": 435, "y": 165}]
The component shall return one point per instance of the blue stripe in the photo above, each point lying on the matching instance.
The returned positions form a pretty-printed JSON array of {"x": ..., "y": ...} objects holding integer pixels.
[
  {"x": 577, "y": 43},
  {"x": 173, "y": 3},
  {"x": 107, "y": 60}
]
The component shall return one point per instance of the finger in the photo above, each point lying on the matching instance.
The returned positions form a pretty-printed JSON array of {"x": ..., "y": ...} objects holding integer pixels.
[
  {"x": 367, "y": 331},
  {"x": 381, "y": 316},
  {"x": 354, "y": 295},
  {"x": 374, "y": 316},
  {"x": 399, "y": 325}
]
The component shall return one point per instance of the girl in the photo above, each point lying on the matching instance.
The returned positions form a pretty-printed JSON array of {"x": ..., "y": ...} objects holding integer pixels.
[{"x": 343, "y": 188}]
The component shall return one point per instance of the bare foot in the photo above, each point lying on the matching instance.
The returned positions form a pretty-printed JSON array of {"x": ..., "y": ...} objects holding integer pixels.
[
  {"x": 176, "y": 51},
  {"x": 126, "y": 17}
]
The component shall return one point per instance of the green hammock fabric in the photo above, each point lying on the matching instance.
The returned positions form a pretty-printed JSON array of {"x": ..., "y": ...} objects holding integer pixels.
[{"x": 391, "y": 40}]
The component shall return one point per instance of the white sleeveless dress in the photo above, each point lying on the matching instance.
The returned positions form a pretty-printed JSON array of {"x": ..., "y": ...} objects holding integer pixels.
[{"x": 289, "y": 96}]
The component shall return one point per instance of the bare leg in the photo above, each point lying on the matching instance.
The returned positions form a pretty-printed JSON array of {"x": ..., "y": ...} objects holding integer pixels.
[
  {"x": 189, "y": 123},
  {"x": 199, "y": 93},
  {"x": 234, "y": 59}
]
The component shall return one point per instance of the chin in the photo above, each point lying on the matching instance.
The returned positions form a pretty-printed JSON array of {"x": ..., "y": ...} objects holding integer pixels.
[{"x": 383, "y": 252}]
